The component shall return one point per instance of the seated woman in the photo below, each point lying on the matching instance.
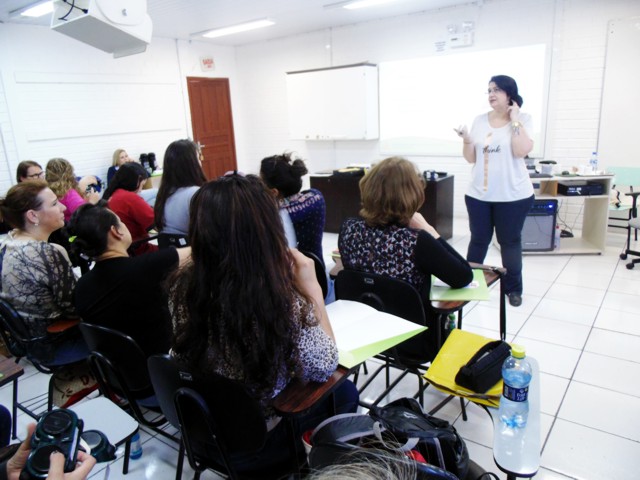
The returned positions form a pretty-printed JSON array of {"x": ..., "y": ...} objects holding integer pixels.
[
  {"x": 62, "y": 180},
  {"x": 120, "y": 157},
  {"x": 393, "y": 239},
  {"x": 36, "y": 277},
  {"x": 182, "y": 176},
  {"x": 124, "y": 201},
  {"x": 122, "y": 293},
  {"x": 306, "y": 209},
  {"x": 250, "y": 309},
  {"x": 29, "y": 170}
]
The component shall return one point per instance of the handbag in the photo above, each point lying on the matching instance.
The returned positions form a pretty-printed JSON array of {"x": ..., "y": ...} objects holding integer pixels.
[{"x": 484, "y": 369}]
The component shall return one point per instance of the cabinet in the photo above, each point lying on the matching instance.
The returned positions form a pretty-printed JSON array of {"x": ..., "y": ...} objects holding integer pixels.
[
  {"x": 342, "y": 197},
  {"x": 594, "y": 214},
  {"x": 338, "y": 103}
]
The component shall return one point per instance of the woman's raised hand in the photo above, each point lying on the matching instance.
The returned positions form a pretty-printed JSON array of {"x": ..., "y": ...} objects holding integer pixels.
[
  {"x": 419, "y": 223},
  {"x": 514, "y": 112},
  {"x": 304, "y": 272}
]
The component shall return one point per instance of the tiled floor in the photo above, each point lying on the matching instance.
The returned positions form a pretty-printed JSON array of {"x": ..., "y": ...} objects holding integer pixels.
[{"x": 580, "y": 319}]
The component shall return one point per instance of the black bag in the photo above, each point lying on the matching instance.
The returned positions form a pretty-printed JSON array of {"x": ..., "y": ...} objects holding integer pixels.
[
  {"x": 399, "y": 427},
  {"x": 484, "y": 369},
  {"x": 436, "y": 439}
]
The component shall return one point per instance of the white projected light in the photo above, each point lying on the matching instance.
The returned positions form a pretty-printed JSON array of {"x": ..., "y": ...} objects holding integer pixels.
[
  {"x": 423, "y": 99},
  {"x": 38, "y": 10},
  {"x": 365, "y": 4}
]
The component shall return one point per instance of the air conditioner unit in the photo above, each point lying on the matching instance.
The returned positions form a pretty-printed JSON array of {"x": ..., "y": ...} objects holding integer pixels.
[{"x": 121, "y": 27}]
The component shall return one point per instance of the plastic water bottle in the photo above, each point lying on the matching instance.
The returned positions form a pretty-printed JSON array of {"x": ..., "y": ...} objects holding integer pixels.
[
  {"x": 136, "y": 447},
  {"x": 516, "y": 376},
  {"x": 449, "y": 325},
  {"x": 594, "y": 162}
]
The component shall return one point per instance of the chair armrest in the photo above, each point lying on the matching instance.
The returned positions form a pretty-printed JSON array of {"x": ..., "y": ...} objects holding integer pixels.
[{"x": 634, "y": 196}]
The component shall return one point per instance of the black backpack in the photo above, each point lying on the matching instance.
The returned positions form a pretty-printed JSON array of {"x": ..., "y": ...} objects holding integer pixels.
[{"x": 400, "y": 426}]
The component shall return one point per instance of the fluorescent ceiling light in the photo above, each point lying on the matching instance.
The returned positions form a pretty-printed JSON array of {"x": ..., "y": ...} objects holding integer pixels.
[
  {"x": 38, "y": 10},
  {"x": 243, "y": 27},
  {"x": 365, "y": 4}
]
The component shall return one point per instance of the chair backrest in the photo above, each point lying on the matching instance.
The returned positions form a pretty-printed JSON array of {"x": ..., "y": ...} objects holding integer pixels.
[
  {"x": 121, "y": 363},
  {"x": 13, "y": 330},
  {"x": 393, "y": 296},
  {"x": 220, "y": 419},
  {"x": 166, "y": 240},
  {"x": 321, "y": 273},
  {"x": 167, "y": 377}
]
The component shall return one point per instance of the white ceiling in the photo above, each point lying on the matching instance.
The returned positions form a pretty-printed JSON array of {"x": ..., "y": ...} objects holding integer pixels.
[{"x": 181, "y": 18}]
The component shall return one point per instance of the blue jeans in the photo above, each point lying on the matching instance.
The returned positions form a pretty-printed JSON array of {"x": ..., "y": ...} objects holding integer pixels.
[{"x": 507, "y": 218}]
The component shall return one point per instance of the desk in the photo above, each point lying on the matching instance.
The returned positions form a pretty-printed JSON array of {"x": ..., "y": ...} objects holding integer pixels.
[
  {"x": 299, "y": 396},
  {"x": 342, "y": 197},
  {"x": 517, "y": 451},
  {"x": 10, "y": 372}
]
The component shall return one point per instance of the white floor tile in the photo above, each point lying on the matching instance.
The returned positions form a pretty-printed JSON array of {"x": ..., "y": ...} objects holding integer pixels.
[
  {"x": 585, "y": 453},
  {"x": 622, "y": 302},
  {"x": 576, "y": 294},
  {"x": 567, "y": 310},
  {"x": 554, "y": 389},
  {"x": 629, "y": 286},
  {"x": 617, "y": 321},
  {"x": 614, "y": 344},
  {"x": 602, "y": 409},
  {"x": 553, "y": 359},
  {"x": 489, "y": 317},
  {"x": 576, "y": 277},
  {"x": 557, "y": 332},
  {"x": 607, "y": 372}
]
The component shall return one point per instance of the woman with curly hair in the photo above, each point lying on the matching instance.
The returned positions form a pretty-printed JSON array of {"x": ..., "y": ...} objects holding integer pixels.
[
  {"x": 62, "y": 181},
  {"x": 250, "y": 309}
]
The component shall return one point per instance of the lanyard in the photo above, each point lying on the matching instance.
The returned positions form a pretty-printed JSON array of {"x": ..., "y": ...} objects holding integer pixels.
[{"x": 487, "y": 142}]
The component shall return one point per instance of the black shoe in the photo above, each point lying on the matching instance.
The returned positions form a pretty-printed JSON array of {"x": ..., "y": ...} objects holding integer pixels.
[{"x": 515, "y": 299}]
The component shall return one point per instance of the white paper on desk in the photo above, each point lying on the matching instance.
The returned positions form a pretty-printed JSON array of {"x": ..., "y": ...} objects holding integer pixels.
[
  {"x": 362, "y": 331},
  {"x": 439, "y": 283}
]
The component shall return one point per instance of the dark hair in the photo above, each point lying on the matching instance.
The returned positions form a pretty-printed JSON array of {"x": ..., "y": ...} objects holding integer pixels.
[
  {"x": 19, "y": 200},
  {"x": 127, "y": 177},
  {"x": 509, "y": 86},
  {"x": 391, "y": 192},
  {"x": 281, "y": 173},
  {"x": 90, "y": 224},
  {"x": 181, "y": 168},
  {"x": 237, "y": 294},
  {"x": 23, "y": 169}
]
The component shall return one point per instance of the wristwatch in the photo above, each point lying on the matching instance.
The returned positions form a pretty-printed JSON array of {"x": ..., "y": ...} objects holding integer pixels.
[{"x": 516, "y": 124}]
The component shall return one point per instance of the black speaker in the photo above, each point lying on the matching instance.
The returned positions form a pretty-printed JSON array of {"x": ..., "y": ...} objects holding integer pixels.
[{"x": 538, "y": 233}]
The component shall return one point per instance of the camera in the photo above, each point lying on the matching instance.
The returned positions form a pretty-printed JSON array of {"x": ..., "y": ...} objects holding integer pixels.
[{"x": 57, "y": 431}]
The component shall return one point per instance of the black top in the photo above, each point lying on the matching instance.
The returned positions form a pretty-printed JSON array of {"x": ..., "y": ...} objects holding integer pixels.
[{"x": 128, "y": 295}]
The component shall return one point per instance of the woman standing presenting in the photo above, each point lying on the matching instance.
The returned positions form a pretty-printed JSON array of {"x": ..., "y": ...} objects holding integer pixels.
[{"x": 500, "y": 194}]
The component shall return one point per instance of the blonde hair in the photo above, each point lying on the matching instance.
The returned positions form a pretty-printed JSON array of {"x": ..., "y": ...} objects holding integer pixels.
[
  {"x": 391, "y": 192},
  {"x": 60, "y": 176},
  {"x": 116, "y": 156}
]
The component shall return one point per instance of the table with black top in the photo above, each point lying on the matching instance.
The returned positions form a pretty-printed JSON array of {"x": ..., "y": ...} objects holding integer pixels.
[{"x": 342, "y": 196}]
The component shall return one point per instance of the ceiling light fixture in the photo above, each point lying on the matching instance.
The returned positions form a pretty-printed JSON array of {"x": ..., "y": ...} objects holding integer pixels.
[
  {"x": 242, "y": 27},
  {"x": 365, "y": 3},
  {"x": 36, "y": 10}
]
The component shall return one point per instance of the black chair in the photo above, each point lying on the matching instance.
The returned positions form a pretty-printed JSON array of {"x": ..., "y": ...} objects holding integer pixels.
[
  {"x": 399, "y": 298},
  {"x": 218, "y": 420},
  {"x": 20, "y": 343},
  {"x": 166, "y": 240},
  {"x": 321, "y": 273},
  {"x": 120, "y": 366},
  {"x": 167, "y": 377}
]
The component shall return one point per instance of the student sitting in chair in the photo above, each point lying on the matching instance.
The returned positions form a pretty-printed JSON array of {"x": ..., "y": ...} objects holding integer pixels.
[
  {"x": 393, "y": 239},
  {"x": 122, "y": 293},
  {"x": 250, "y": 309}
]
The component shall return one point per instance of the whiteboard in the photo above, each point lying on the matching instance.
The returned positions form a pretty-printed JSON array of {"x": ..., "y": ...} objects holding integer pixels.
[
  {"x": 617, "y": 142},
  {"x": 338, "y": 103},
  {"x": 423, "y": 99}
]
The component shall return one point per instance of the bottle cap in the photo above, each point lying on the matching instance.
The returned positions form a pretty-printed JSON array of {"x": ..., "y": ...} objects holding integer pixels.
[{"x": 517, "y": 351}]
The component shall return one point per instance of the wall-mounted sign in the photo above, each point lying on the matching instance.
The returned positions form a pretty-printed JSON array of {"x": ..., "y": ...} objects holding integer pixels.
[{"x": 207, "y": 63}]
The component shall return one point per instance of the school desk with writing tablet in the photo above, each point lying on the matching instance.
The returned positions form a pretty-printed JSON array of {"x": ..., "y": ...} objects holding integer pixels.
[{"x": 362, "y": 331}]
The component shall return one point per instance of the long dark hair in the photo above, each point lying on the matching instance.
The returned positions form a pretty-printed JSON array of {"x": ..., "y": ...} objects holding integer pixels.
[
  {"x": 89, "y": 227},
  {"x": 237, "y": 294},
  {"x": 181, "y": 168},
  {"x": 509, "y": 86},
  {"x": 283, "y": 173},
  {"x": 127, "y": 177}
]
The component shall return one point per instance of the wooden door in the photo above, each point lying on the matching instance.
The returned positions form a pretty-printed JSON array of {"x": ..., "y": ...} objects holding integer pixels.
[{"x": 212, "y": 124}]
